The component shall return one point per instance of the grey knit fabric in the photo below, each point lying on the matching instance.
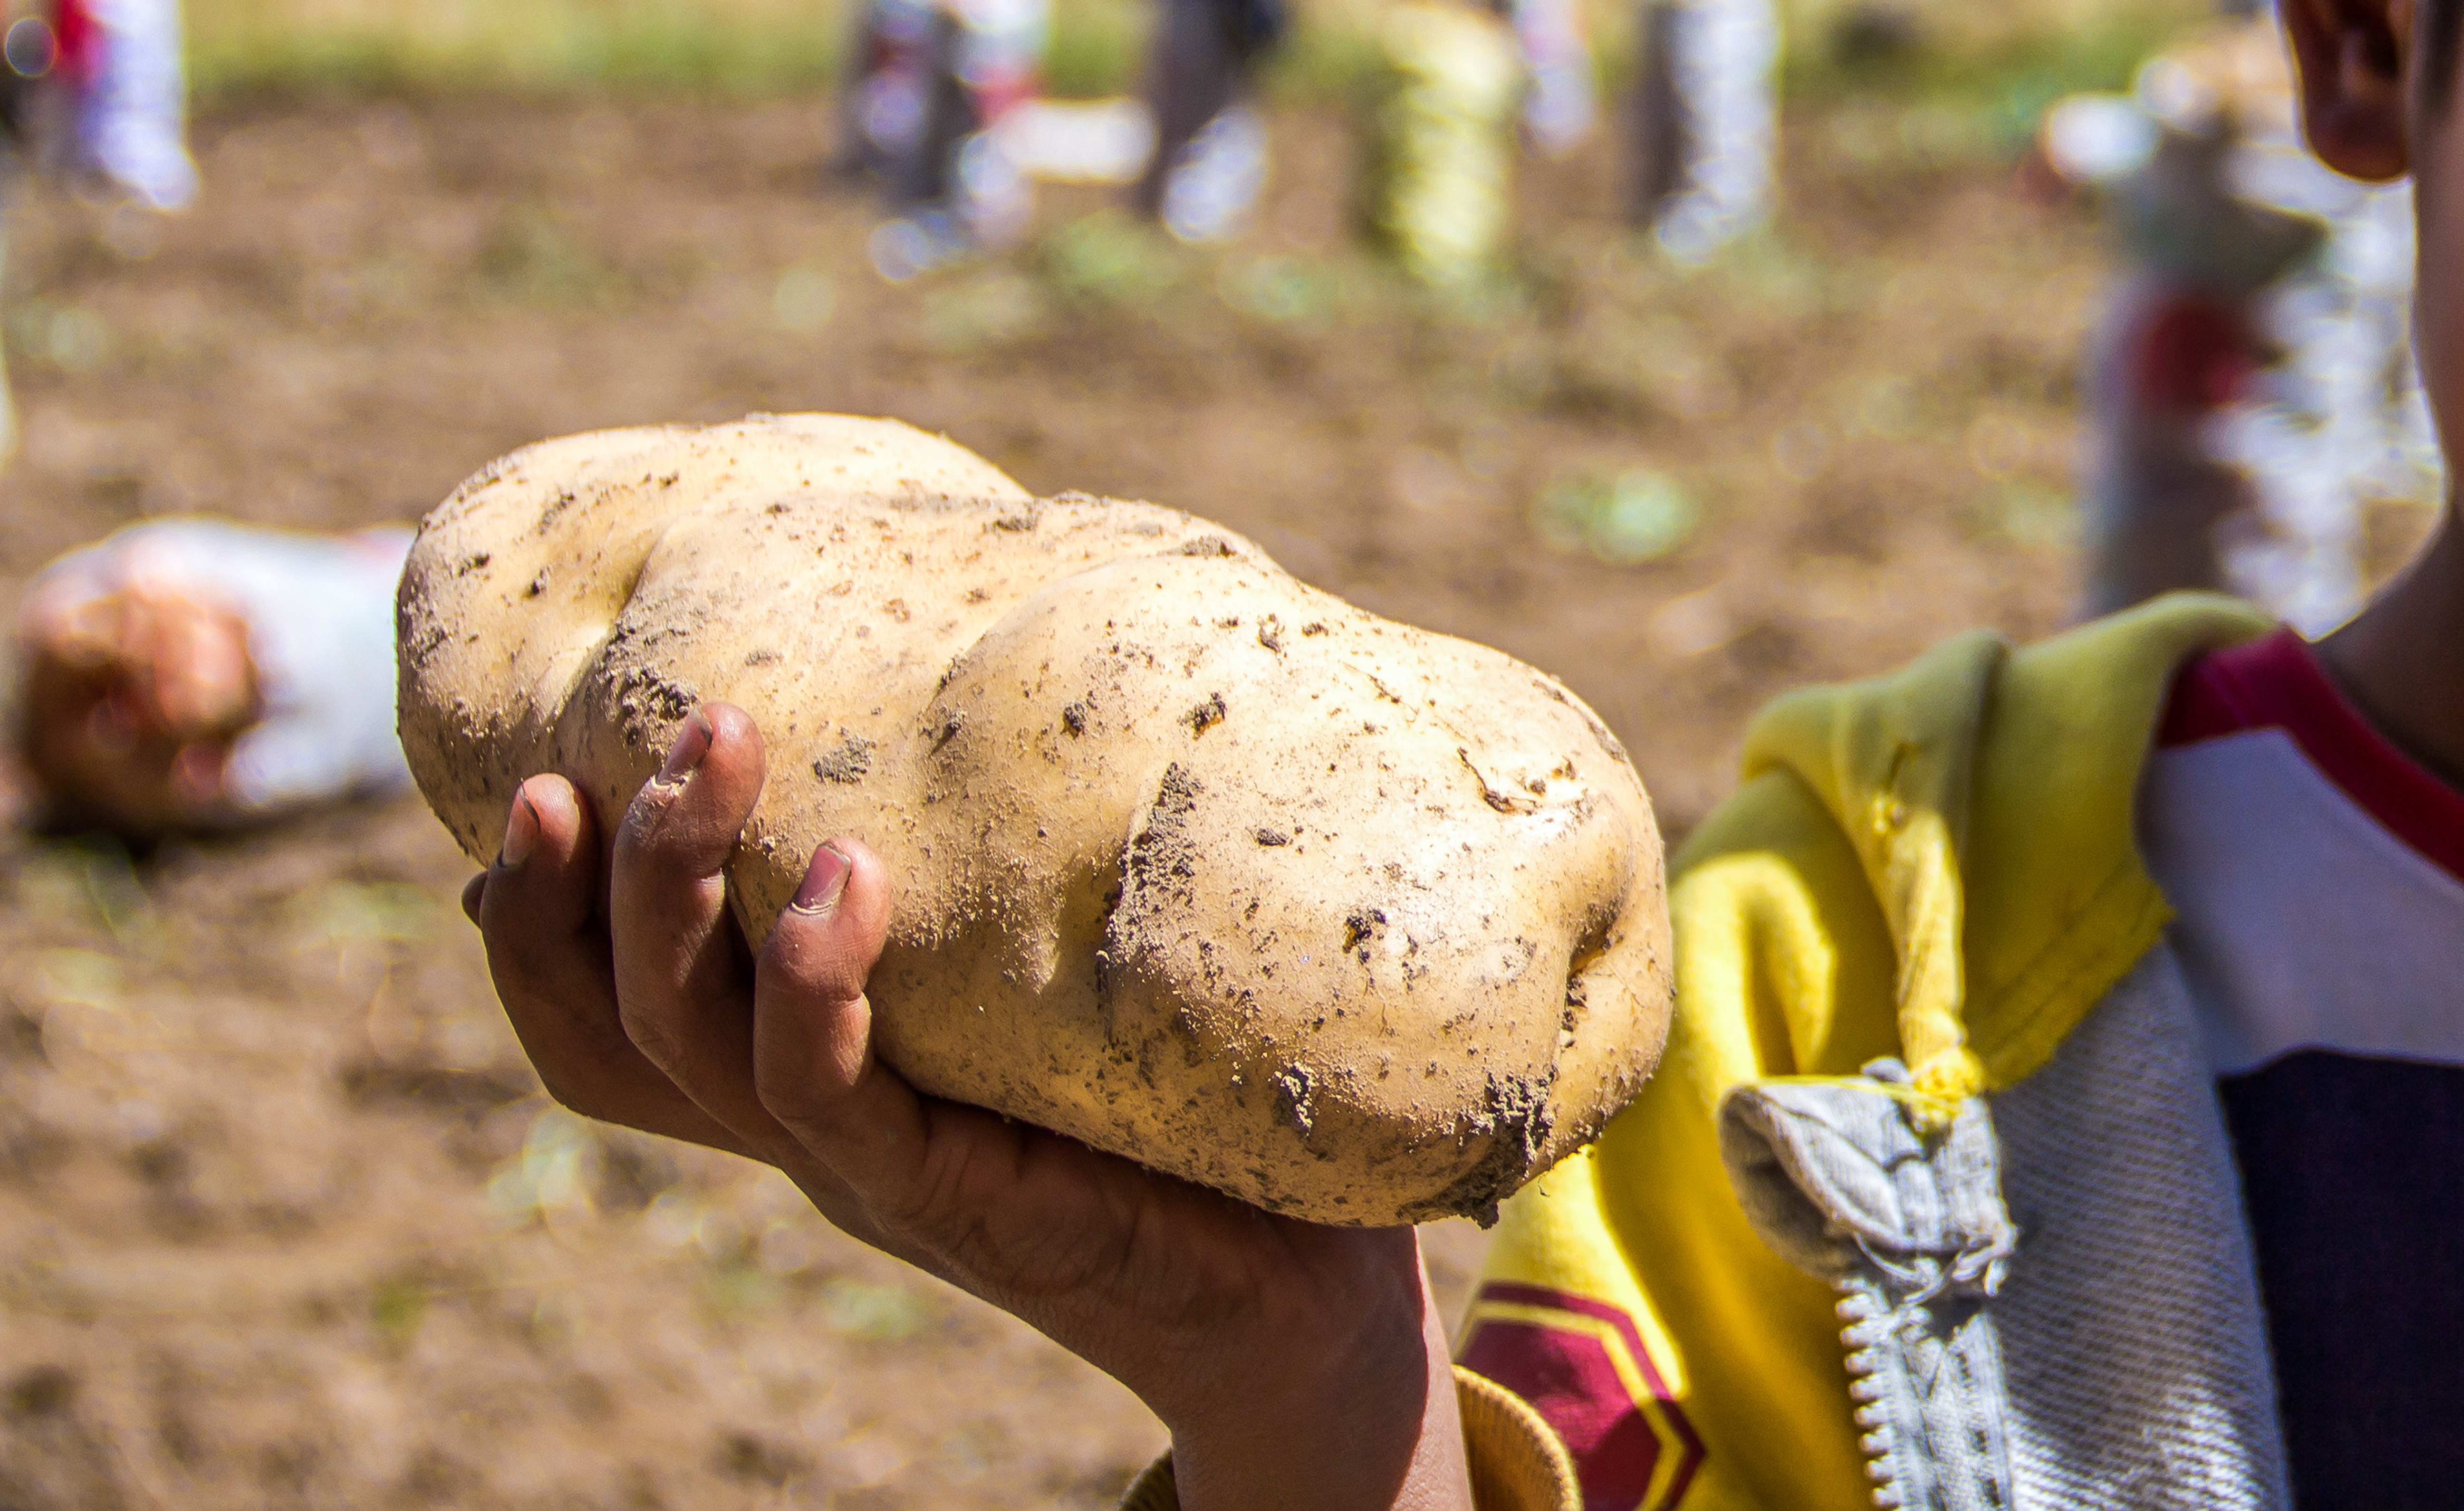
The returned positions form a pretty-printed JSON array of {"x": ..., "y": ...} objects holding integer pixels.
[
  {"x": 1912, "y": 1231},
  {"x": 2134, "y": 1348},
  {"x": 2101, "y": 1346}
]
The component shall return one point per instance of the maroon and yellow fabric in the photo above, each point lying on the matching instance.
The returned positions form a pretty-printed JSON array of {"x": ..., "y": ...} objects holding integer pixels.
[{"x": 1581, "y": 1364}]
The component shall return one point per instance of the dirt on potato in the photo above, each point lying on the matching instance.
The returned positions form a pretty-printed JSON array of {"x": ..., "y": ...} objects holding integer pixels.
[{"x": 284, "y": 1220}]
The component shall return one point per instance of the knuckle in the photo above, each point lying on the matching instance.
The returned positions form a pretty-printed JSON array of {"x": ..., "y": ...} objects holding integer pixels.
[
  {"x": 645, "y": 826},
  {"x": 670, "y": 833},
  {"x": 575, "y": 1069}
]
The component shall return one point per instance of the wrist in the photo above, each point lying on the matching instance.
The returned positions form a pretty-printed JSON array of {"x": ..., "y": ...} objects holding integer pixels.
[{"x": 1354, "y": 1408}]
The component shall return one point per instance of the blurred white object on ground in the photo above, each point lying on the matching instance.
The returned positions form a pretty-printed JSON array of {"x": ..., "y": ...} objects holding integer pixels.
[{"x": 1080, "y": 140}]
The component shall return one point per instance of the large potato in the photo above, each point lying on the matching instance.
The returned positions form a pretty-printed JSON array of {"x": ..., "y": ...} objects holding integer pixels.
[{"x": 1198, "y": 865}]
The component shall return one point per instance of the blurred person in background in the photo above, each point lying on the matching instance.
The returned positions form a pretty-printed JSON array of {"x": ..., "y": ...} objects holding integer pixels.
[
  {"x": 1210, "y": 154},
  {"x": 943, "y": 109},
  {"x": 194, "y": 674},
  {"x": 1455, "y": 85},
  {"x": 1707, "y": 118},
  {"x": 934, "y": 81},
  {"x": 1561, "y": 97},
  {"x": 94, "y": 96},
  {"x": 122, "y": 101},
  {"x": 2251, "y": 385},
  {"x": 1436, "y": 182}
]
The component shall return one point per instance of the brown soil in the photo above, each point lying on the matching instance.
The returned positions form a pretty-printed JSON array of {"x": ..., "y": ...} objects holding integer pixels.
[{"x": 283, "y": 1220}]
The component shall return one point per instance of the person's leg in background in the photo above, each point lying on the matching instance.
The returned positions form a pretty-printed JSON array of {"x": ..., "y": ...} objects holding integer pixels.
[
  {"x": 890, "y": 83},
  {"x": 1210, "y": 158},
  {"x": 128, "y": 125},
  {"x": 952, "y": 188},
  {"x": 1562, "y": 103},
  {"x": 2165, "y": 356},
  {"x": 1436, "y": 192},
  {"x": 1707, "y": 117}
]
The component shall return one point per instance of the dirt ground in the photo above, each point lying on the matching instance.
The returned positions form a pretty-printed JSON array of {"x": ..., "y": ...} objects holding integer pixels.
[{"x": 283, "y": 1220}]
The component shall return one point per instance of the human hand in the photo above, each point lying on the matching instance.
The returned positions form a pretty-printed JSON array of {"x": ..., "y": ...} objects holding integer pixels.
[{"x": 1297, "y": 1365}]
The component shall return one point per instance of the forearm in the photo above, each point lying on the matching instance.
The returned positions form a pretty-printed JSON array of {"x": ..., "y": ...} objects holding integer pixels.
[{"x": 1377, "y": 1427}]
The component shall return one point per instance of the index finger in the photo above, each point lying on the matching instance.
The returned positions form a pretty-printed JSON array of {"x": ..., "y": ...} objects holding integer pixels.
[{"x": 683, "y": 984}]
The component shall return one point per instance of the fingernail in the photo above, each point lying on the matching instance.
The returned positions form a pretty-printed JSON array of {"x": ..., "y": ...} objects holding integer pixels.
[
  {"x": 823, "y": 880},
  {"x": 521, "y": 832},
  {"x": 693, "y": 743}
]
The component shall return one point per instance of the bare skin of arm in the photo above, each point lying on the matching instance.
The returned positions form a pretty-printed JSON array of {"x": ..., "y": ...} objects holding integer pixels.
[{"x": 1296, "y": 1366}]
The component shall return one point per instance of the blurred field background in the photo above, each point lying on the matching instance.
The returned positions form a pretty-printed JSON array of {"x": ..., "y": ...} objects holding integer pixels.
[
  {"x": 283, "y": 1219},
  {"x": 771, "y": 47}
]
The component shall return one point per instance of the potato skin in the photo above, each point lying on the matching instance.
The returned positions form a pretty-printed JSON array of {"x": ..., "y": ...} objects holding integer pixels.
[{"x": 1197, "y": 864}]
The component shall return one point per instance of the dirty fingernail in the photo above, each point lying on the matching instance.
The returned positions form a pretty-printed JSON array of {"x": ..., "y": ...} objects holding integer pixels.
[
  {"x": 693, "y": 743},
  {"x": 823, "y": 880},
  {"x": 521, "y": 832}
]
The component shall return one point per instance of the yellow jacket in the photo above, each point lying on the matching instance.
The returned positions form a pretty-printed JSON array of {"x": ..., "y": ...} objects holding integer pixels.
[{"x": 1938, "y": 865}]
